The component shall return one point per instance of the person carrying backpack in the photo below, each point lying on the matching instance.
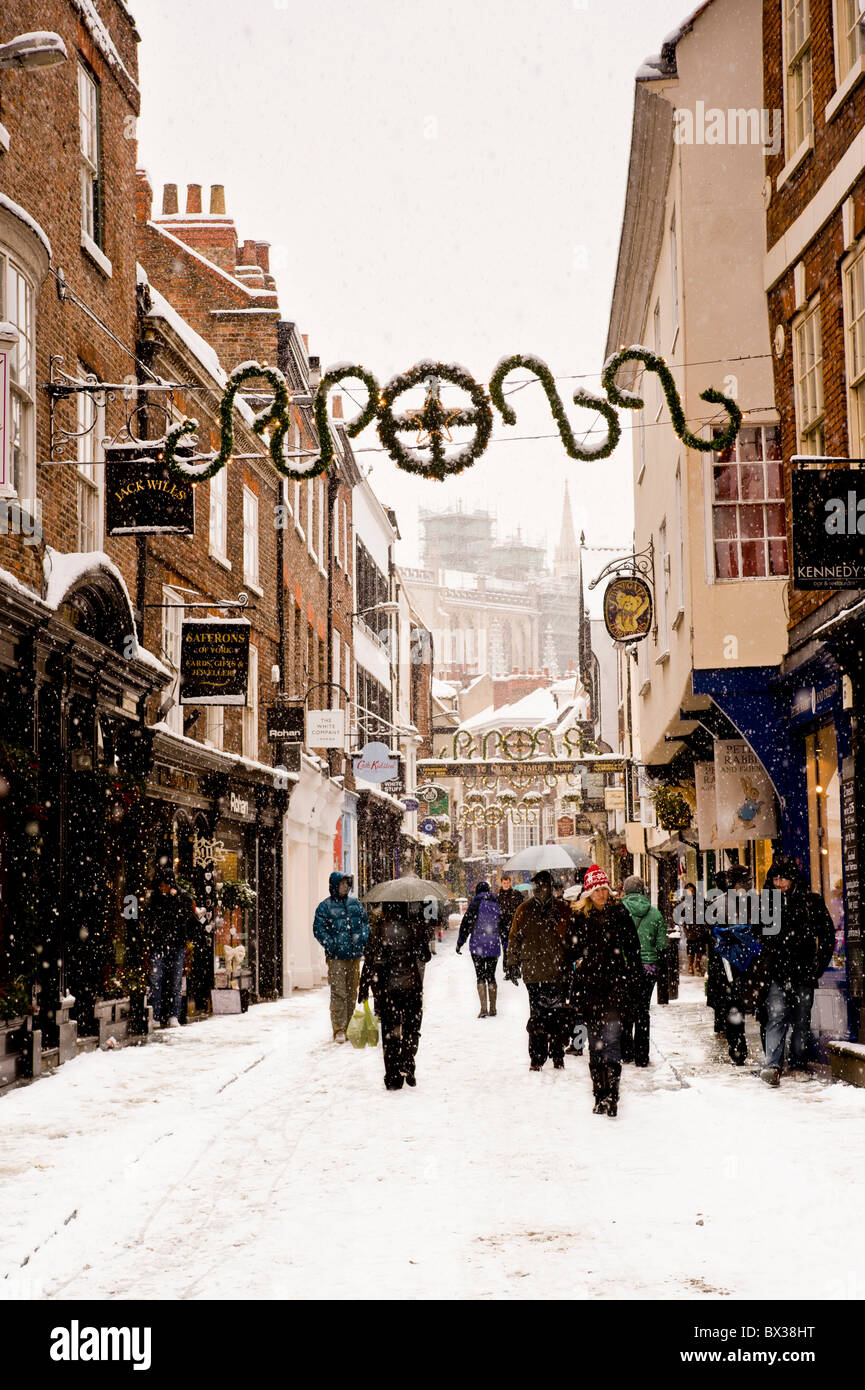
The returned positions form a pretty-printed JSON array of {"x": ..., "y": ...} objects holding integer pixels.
[{"x": 482, "y": 928}]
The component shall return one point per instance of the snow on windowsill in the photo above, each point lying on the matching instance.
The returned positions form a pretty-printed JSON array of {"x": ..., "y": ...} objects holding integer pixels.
[{"x": 96, "y": 254}]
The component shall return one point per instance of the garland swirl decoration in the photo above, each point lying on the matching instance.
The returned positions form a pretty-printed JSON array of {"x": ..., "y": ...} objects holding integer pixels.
[{"x": 433, "y": 421}]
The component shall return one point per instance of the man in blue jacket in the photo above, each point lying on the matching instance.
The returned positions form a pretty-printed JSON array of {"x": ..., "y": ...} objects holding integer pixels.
[{"x": 341, "y": 927}]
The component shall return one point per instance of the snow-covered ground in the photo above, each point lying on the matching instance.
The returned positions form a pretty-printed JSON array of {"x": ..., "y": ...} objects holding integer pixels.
[{"x": 250, "y": 1157}]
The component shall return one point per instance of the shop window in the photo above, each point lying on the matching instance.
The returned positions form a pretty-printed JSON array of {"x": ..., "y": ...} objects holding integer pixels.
[
  {"x": 799, "y": 115},
  {"x": 749, "y": 528},
  {"x": 824, "y": 828},
  {"x": 250, "y": 709},
  {"x": 90, "y": 429},
  {"x": 214, "y": 725},
  {"x": 17, "y": 306},
  {"x": 854, "y": 326},
  {"x": 89, "y": 129},
  {"x": 808, "y": 365}
]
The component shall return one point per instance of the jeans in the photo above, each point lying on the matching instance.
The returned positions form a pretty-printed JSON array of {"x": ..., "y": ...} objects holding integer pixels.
[
  {"x": 605, "y": 1042},
  {"x": 166, "y": 982},
  {"x": 548, "y": 1025},
  {"x": 787, "y": 1008},
  {"x": 343, "y": 976},
  {"x": 635, "y": 1035}
]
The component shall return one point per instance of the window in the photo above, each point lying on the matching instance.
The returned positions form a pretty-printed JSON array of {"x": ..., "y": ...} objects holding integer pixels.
[
  {"x": 748, "y": 515},
  {"x": 808, "y": 365},
  {"x": 372, "y": 587},
  {"x": 17, "y": 305},
  {"x": 297, "y": 507},
  {"x": 854, "y": 325},
  {"x": 641, "y": 444},
  {"x": 346, "y": 543},
  {"x": 336, "y": 530},
  {"x": 250, "y": 536},
  {"x": 89, "y": 120},
  {"x": 219, "y": 515},
  {"x": 656, "y": 321},
  {"x": 373, "y": 708},
  {"x": 523, "y": 836},
  {"x": 849, "y": 37},
  {"x": 299, "y": 671},
  {"x": 348, "y": 671},
  {"x": 674, "y": 278},
  {"x": 662, "y": 587},
  {"x": 250, "y": 710},
  {"x": 680, "y": 544},
  {"x": 310, "y": 517},
  {"x": 797, "y": 59},
  {"x": 172, "y": 619},
  {"x": 824, "y": 828},
  {"x": 90, "y": 429},
  {"x": 335, "y": 663},
  {"x": 321, "y": 510},
  {"x": 214, "y": 723}
]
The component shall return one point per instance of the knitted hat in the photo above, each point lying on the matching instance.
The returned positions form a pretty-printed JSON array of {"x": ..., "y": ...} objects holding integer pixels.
[
  {"x": 633, "y": 884},
  {"x": 595, "y": 878}
]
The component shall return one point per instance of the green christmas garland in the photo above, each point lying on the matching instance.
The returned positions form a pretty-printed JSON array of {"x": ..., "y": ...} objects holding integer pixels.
[
  {"x": 581, "y": 397},
  {"x": 434, "y": 420},
  {"x": 630, "y": 401}
]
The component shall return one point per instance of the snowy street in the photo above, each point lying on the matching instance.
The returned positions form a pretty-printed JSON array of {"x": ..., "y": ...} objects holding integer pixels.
[{"x": 250, "y": 1157}]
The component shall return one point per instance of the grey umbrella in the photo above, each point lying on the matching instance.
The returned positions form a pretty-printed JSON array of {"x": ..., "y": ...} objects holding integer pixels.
[
  {"x": 406, "y": 890},
  {"x": 539, "y": 857},
  {"x": 581, "y": 859}
]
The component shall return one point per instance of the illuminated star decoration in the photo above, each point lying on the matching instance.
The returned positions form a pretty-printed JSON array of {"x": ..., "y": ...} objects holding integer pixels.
[{"x": 433, "y": 420}]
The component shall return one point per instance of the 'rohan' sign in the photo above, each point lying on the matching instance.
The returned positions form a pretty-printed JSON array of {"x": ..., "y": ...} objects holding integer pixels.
[{"x": 214, "y": 661}]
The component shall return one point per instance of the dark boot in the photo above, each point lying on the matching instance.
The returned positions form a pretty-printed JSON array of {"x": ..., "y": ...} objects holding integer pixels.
[
  {"x": 482, "y": 995},
  {"x": 493, "y": 992},
  {"x": 599, "y": 1088},
  {"x": 614, "y": 1071}
]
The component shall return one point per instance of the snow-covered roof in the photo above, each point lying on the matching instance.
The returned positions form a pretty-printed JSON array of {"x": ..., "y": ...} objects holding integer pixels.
[
  {"x": 663, "y": 64},
  {"x": 162, "y": 728},
  {"x": 538, "y": 707},
  {"x": 98, "y": 31},
  {"x": 443, "y": 690},
  {"x": 63, "y": 571},
  {"x": 24, "y": 216},
  {"x": 13, "y": 582}
]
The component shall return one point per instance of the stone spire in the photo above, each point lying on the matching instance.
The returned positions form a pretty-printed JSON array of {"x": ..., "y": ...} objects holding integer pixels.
[
  {"x": 566, "y": 561},
  {"x": 550, "y": 659}
]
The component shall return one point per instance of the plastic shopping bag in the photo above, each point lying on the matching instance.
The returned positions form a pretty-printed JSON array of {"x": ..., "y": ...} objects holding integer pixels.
[
  {"x": 356, "y": 1030},
  {"x": 370, "y": 1025}
]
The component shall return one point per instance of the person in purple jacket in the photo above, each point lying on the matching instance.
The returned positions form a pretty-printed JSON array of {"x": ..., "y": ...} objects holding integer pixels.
[{"x": 482, "y": 928}]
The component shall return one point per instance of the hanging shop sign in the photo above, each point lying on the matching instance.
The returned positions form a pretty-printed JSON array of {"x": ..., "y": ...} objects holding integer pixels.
[
  {"x": 428, "y": 826},
  {"x": 143, "y": 497},
  {"x": 285, "y": 723},
  {"x": 828, "y": 527},
  {"x": 565, "y": 827},
  {"x": 214, "y": 661},
  {"x": 410, "y": 804},
  {"x": 707, "y": 810},
  {"x": 744, "y": 795},
  {"x": 431, "y": 426},
  {"x": 376, "y": 763},
  {"x": 628, "y": 608},
  {"x": 395, "y": 786},
  {"x": 325, "y": 728}
]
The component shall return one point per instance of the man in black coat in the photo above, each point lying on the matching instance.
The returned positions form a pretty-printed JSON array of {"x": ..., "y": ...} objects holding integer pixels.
[
  {"x": 171, "y": 922},
  {"x": 508, "y": 900},
  {"x": 394, "y": 957},
  {"x": 792, "y": 962}
]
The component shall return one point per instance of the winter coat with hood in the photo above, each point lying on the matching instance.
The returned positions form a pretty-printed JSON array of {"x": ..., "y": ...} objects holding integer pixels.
[
  {"x": 651, "y": 927},
  {"x": 609, "y": 973},
  {"x": 341, "y": 925},
  {"x": 396, "y": 952},
  {"x": 171, "y": 918},
  {"x": 539, "y": 942},
  {"x": 482, "y": 926},
  {"x": 802, "y": 948}
]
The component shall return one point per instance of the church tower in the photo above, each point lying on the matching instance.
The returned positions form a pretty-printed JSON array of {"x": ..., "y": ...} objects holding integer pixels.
[{"x": 566, "y": 560}]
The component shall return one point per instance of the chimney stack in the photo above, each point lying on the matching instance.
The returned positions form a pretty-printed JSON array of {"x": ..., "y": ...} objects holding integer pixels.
[
  {"x": 247, "y": 254},
  {"x": 305, "y": 341},
  {"x": 262, "y": 255},
  {"x": 169, "y": 200},
  {"x": 143, "y": 196},
  {"x": 217, "y": 199},
  {"x": 336, "y": 404},
  {"x": 193, "y": 197}
]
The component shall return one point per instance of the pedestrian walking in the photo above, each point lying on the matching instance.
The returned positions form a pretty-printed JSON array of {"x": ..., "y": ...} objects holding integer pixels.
[
  {"x": 393, "y": 966},
  {"x": 652, "y": 933},
  {"x": 792, "y": 962},
  {"x": 716, "y": 994},
  {"x": 735, "y": 949},
  {"x": 609, "y": 982},
  {"x": 341, "y": 927},
  {"x": 172, "y": 921},
  {"x": 508, "y": 900},
  {"x": 539, "y": 948},
  {"x": 695, "y": 932},
  {"x": 481, "y": 927}
]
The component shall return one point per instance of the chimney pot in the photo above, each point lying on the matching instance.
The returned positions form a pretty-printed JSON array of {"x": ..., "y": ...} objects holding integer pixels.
[
  {"x": 262, "y": 255},
  {"x": 169, "y": 199},
  {"x": 193, "y": 197},
  {"x": 217, "y": 199},
  {"x": 305, "y": 339},
  {"x": 247, "y": 254},
  {"x": 336, "y": 402}
]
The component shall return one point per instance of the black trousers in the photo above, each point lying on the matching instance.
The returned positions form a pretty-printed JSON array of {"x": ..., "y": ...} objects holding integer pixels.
[
  {"x": 635, "y": 1032},
  {"x": 732, "y": 1011},
  {"x": 548, "y": 1025},
  {"x": 400, "y": 1014}
]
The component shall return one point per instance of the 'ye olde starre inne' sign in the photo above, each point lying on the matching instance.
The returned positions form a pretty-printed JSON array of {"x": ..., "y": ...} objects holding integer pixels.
[
  {"x": 828, "y": 527},
  {"x": 214, "y": 661}
]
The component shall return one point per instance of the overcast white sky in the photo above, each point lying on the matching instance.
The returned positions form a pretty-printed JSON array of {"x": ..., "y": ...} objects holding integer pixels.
[{"x": 439, "y": 181}]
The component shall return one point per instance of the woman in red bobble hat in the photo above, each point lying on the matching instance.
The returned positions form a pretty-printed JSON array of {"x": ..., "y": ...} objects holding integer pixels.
[{"x": 608, "y": 977}]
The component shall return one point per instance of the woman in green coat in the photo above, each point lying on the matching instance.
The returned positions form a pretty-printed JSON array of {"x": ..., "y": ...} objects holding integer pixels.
[{"x": 652, "y": 932}]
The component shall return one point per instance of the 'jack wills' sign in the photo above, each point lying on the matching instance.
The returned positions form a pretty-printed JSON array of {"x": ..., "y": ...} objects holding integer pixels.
[
  {"x": 142, "y": 497},
  {"x": 828, "y": 528}
]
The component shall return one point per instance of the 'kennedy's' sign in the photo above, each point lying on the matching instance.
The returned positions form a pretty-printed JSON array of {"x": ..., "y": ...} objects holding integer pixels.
[{"x": 828, "y": 528}]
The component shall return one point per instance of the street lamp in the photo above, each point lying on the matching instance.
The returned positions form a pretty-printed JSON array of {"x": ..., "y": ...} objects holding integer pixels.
[
  {"x": 390, "y": 607},
  {"x": 38, "y": 50}
]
